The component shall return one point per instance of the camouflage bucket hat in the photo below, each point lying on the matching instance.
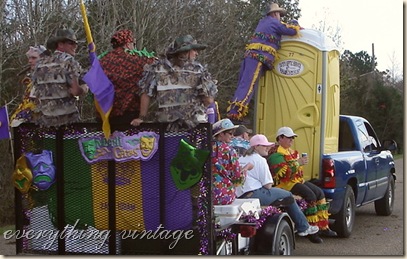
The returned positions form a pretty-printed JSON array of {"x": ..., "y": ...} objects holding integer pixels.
[
  {"x": 184, "y": 43},
  {"x": 61, "y": 35}
]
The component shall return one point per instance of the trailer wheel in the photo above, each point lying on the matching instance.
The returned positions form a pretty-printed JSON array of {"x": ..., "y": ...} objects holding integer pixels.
[
  {"x": 384, "y": 206},
  {"x": 276, "y": 237},
  {"x": 345, "y": 218},
  {"x": 283, "y": 243}
]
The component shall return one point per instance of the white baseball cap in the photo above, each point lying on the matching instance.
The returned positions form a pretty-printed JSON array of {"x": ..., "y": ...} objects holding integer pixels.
[{"x": 286, "y": 131}]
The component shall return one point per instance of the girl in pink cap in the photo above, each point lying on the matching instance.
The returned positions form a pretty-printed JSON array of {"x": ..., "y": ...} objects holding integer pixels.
[{"x": 259, "y": 184}]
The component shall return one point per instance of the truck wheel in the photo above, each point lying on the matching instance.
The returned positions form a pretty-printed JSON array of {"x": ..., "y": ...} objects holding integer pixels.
[
  {"x": 384, "y": 206},
  {"x": 345, "y": 218}
]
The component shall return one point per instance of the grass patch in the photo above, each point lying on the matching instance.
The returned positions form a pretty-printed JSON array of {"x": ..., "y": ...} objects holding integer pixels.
[
  {"x": 397, "y": 156},
  {"x": 5, "y": 228}
]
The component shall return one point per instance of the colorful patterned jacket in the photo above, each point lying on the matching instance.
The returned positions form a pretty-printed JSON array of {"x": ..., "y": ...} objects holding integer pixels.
[
  {"x": 285, "y": 168},
  {"x": 226, "y": 173}
]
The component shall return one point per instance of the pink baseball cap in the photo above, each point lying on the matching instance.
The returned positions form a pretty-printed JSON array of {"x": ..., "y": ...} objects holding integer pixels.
[{"x": 260, "y": 140}]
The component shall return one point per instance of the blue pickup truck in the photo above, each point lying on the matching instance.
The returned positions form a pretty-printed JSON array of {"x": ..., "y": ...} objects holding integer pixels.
[{"x": 360, "y": 173}]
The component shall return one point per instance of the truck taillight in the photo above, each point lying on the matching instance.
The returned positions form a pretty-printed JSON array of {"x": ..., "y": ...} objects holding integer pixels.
[{"x": 328, "y": 174}]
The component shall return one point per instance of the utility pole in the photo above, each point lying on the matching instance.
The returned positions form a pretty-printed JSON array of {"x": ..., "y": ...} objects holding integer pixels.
[{"x": 373, "y": 58}]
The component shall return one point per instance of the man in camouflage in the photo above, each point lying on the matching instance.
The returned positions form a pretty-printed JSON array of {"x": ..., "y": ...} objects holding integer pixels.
[
  {"x": 181, "y": 87},
  {"x": 57, "y": 80}
]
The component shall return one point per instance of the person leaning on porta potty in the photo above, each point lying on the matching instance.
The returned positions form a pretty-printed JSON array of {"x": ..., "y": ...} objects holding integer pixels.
[{"x": 259, "y": 56}]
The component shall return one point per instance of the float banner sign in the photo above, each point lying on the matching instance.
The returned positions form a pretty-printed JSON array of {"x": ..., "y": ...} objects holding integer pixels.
[{"x": 119, "y": 147}]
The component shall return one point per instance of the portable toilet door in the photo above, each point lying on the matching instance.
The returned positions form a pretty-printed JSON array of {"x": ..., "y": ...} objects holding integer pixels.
[{"x": 302, "y": 92}]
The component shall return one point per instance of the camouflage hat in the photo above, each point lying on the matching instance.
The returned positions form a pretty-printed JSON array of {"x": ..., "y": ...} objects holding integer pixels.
[
  {"x": 39, "y": 49},
  {"x": 184, "y": 43},
  {"x": 61, "y": 35}
]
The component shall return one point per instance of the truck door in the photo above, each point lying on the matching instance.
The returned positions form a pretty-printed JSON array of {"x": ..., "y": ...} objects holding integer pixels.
[
  {"x": 380, "y": 159},
  {"x": 376, "y": 179}
]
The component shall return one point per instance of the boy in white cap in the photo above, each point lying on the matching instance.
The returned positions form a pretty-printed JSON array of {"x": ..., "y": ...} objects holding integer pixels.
[
  {"x": 259, "y": 184},
  {"x": 287, "y": 169}
]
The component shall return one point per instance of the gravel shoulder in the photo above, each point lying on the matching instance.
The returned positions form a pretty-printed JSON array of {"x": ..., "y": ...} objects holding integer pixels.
[{"x": 7, "y": 247}]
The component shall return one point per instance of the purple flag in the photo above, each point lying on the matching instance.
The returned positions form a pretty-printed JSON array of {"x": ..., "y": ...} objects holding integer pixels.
[
  {"x": 213, "y": 112},
  {"x": 99, "y": 84},
  {"x": 4, "y": 123},
  {"x": 103, "y": 90}
]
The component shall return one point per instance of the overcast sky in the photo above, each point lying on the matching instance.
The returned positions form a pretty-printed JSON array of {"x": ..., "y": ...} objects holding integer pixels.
[{"x": 362, "y": 22}]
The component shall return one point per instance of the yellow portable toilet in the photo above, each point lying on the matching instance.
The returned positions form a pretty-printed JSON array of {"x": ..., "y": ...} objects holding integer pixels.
[{"x": 302, "y": 92}]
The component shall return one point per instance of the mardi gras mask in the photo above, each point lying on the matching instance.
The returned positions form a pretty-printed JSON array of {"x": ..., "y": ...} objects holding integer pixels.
[
  {"x": 42, "y": 168},
  {"x": 22, "y": 175},
  {"x": 187, "y": 166},
  {"x": 147, "y": 145}
]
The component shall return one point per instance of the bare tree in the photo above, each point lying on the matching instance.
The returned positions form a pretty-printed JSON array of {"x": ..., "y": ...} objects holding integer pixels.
[
  {"x": 393, "y": 70},
  {"x": 332, "y": 31}
]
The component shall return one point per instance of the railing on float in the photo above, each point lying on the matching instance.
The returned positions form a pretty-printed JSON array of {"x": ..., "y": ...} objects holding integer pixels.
[{"x": 87, "y": 202}]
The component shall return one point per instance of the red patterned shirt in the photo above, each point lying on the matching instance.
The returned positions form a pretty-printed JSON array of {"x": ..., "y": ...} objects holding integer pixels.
[{"x": 125, "y": 71}]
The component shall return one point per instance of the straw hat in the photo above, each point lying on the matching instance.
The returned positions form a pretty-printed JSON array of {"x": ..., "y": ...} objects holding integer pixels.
[{"x": 273, "y": 7}]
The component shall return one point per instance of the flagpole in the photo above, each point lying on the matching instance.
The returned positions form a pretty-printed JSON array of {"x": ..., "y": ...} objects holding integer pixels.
[
  {"x": 88, "y": 33},
  {"x": 11, "y": 139},
  {"x": 102, "y": 77}
]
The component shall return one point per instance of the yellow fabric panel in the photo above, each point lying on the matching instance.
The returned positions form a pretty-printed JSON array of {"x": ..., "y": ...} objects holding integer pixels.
[{"x": 129, "y": 204}]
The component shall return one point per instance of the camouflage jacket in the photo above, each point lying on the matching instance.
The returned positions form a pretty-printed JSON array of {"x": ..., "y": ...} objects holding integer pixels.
[
  {"x": 178, "y": 92},
  {"x": 51, "y": 81}
]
